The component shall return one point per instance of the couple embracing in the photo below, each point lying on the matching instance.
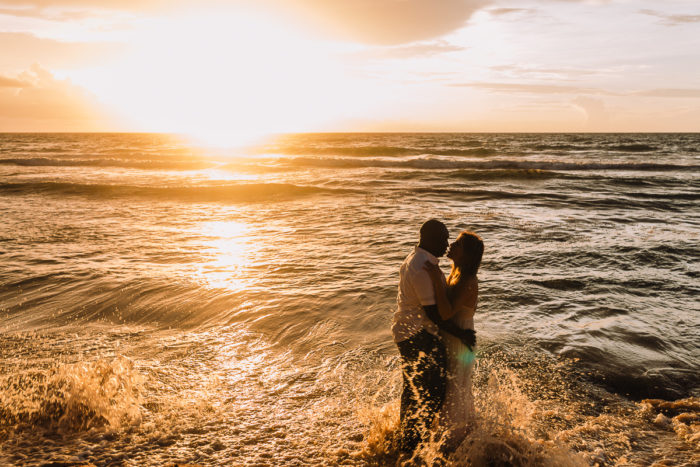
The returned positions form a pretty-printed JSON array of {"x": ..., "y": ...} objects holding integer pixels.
[{"x": 433, "y": 327}]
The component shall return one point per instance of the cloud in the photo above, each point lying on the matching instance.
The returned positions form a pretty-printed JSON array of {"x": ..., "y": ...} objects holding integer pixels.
[
  {"x": 21, "y": 50},
  {"x": 7, "y": 82},
  {"x": 382, "y": 22},
  {"x": 671, "y": 92},
  {"x": 672, "y": 20},
  {"x": 387, "y": 22},
  {"x": 35, "y": 99},
  {"x": 115, "y": 4},
  {"x": 47, "y": 7},
  {"x": 53, "y": 15},
  {"x": 509, "y": 11},
  {"x": 520, "y": 88},
  {"x": 535, "y": 72},
  {"x": 421, "y": 49},
  {"x": 532, "y": 88}
]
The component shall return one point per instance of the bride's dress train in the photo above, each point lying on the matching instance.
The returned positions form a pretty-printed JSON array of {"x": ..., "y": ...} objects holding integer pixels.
[{"x": 457, "y": 413}]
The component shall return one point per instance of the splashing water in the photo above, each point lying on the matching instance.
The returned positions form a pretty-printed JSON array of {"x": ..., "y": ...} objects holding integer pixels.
[
  {"x": 521, "y": 421},
  {"x": 160, "y": 303},
  {"x": 72, "y": 398},
  {"x": 501, "y": 435}
]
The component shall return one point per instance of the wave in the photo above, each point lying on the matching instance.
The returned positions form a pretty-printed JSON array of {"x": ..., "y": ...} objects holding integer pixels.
[
  {"x": 464, "y": 152},
  {"x": 632, "y": 147},
  {"x": 532, "y": 410},
  {"x": 146, "y": 301},
  {"x": 459, "y": 149},
  {"x": 252, "y": 192},
  {"x": 120, "y": 163},
  {"x": 551, "y": 199},
  {"x": 667, "y": 203},
  {"x": 486, "y": 194},
  {"x": 507, "y": 432},
  {"x": 499, "y": 174},
  {"x": 488, "y": 169},
  {"x": 560, "y": 284},
  {"x": 221, "y": 193},
  {"x": 378, "y": 151},
  {"x": 669, "y": 196},
  {"x": 558, "y": 147},
  {"x": 345, "y": 151},
  {"x": 536, "y": 409},
  {"x": 481, "y": 174},
  {"x": 71, "y": 398},
  {"x": 440, "y": 163}
]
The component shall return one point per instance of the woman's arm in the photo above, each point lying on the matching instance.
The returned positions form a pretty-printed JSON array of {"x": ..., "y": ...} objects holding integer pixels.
[{"x": 463, "y": 295}]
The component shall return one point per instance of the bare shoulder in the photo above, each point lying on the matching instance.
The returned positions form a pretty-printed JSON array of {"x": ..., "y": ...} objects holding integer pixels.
[
  {"x": 465, "y": 285},
  {"x": 467, "y": 282}
]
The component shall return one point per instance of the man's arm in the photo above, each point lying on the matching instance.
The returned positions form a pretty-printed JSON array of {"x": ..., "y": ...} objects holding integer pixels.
[
  {"x": 467, "y": 336},
  {"x": 429, "y": 285}
]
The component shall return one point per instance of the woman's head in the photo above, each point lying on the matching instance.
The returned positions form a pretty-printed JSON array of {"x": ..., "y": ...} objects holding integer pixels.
[{"x": 466, "y": 252}]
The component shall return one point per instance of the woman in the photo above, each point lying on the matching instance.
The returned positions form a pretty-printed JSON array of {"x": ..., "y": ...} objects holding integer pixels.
[{"x": 460, "y": 295}]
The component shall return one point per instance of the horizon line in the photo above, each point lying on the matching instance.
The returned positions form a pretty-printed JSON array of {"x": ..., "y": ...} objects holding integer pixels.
[{"x": 360, "y": 132}]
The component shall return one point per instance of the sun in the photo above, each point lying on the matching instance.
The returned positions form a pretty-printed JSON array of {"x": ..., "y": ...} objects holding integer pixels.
[{"x": 224, "y": 78}]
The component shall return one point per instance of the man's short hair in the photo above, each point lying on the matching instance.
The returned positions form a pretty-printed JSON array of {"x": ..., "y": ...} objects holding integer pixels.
[{"x": 432, "y": 229}]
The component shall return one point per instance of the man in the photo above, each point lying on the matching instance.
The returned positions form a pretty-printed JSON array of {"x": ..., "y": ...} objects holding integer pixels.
[{"x": 415, "y": 329}]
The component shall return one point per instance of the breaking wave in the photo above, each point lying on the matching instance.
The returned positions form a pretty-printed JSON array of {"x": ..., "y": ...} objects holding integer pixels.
[
  {"x": 72, "y": 397},
  {"x": 223, "y": 193},
  {"x": 534, "y": 410},
  {"x": 632, "y": 147},
  {"x": 442, "y": 163},
  {"x": 378, "y": 151},
  {"x": 165, "y": 164}
]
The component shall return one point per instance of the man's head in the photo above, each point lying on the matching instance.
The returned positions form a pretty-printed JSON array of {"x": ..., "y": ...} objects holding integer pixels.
[{"x": 433, "y": 237}]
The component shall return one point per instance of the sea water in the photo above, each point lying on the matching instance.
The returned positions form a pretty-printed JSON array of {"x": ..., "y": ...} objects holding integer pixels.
[{"x": 161, "y": 302}]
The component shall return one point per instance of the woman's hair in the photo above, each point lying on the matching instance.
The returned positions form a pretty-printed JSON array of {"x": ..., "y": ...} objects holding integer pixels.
[{"x": 472, "y": 251}]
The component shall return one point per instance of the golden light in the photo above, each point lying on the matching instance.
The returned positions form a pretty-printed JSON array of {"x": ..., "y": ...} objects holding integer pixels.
[
  {"x": 225, "y": 255},
  {"x": 228, "y": 175},
  {"x": 224, "y": 78}
]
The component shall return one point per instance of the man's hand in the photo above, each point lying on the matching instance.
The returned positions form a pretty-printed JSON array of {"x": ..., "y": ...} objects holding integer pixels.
[{"x": 467, "y": 336}]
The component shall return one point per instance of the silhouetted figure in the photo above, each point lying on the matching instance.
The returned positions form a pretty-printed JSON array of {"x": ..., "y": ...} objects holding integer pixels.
[
  {"x": 459, "y": 298},
  {"x": 416, "y": 324}
]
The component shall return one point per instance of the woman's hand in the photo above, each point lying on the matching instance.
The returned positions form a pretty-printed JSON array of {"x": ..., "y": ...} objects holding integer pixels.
[{"x": 434, "y": 271}]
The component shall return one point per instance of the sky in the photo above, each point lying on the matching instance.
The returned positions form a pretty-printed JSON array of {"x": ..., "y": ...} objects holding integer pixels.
[{"x": 223, "y": 71}]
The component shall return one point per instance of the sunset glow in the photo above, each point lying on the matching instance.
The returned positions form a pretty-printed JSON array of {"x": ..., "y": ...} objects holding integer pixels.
[
  {"x": 228, "y": 74},
  {"x": 225, "y": 81},
  {"x": 349, "y": 232}
]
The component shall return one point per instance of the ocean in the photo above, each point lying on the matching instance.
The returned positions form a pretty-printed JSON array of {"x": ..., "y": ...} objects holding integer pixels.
[{"x": 167, "y": 303}]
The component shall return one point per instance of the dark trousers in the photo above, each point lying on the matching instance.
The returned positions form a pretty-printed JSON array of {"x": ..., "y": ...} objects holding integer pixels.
[{"x": 423, "y": 364}]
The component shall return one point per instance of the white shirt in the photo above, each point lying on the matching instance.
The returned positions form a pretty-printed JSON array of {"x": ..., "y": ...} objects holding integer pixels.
[{"x": 415, "y": 291}]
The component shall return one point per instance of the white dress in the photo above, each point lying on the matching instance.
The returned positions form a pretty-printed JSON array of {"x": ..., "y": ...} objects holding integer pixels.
[{"x": 457, "y": 413}]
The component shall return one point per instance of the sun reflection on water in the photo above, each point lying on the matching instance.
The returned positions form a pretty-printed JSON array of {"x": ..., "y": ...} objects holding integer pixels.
[
  {"x": 227, "y": 250},
  {"x": 230, "y": 175}
]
